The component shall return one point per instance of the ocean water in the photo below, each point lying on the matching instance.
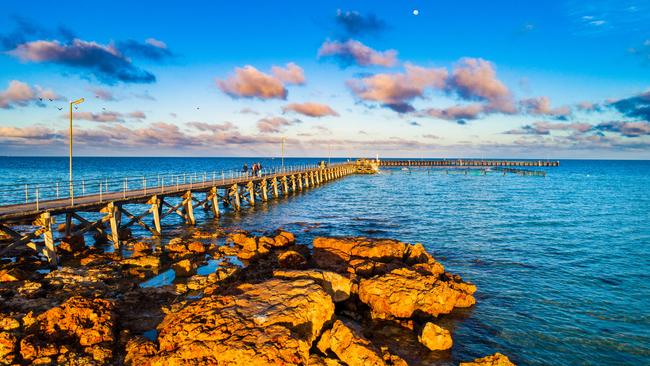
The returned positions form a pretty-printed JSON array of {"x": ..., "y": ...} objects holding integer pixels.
[{"x": 562, "y": 262}]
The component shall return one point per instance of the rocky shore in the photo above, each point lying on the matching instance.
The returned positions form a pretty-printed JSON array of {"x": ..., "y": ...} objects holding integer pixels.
[{"x": 235, "y": 299}]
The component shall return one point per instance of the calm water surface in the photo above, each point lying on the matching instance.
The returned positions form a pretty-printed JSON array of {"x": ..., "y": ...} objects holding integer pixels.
[{"x": 562, "y": 263}]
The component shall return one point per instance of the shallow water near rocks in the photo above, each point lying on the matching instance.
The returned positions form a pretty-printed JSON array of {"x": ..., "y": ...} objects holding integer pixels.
[{"x": 562, "y": 263}]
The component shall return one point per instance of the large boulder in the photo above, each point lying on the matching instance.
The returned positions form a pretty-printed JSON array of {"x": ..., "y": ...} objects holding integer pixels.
[
  {"x": 337, "y": 286},
  {"x": 366, "y": 257},
  {"x": 435, "y": 338},
  {"x": 347, "y": 343},
  {"x": 496, "y": 359},
  {"x": 404, "y": 292},
  {"x": 268, "y": 323}
]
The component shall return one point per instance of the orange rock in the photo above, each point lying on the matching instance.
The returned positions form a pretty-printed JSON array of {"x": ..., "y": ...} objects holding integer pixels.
[
  {"x": 284, "y": 238},
  {"x": 272, "y": 322},
  {"x": 350, "y": 346},
  {"x": 7, "y": 347},
  {"x": 12, "y": 274},
  {"x": 291, "y": 259},
  {"x": 141, "y": 247},
  {"x": 369, "y": 257},
  {"x": 266, "y": 242},
  {"x": 184, "y": 268},
  {"x": 8, "y": 322},
  {"x": 199, "y": 234},
  {"x": 196, "y": 247},
  {"x": 176, "y": 245},
  {"x": 435, "y": 338},
  {"x": 496, "y": 359},
  {"x": 337, "y": 286},
  {"x": 138, "y": 350},
  {"x": 248, "y": 243},
  {"x": 79, "y": 321},
  {"x": 72, "y": 244},
  {"x": 151, "y": 261},
  {"x": 402, "y": 292}
]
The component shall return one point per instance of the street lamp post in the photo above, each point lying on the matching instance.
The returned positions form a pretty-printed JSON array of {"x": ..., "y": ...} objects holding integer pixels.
[{"x": 73, "y": 103}]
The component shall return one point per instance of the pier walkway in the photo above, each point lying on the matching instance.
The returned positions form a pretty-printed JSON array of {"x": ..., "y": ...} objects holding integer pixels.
[{"x": 178, "y": 197}]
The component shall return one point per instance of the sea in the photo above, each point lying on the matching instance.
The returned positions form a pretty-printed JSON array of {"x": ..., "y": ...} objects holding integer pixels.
[{"x": 561, "y": 262}]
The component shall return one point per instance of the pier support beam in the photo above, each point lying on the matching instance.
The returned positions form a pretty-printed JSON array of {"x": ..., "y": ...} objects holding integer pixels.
[
  {"x": 214, "y": 202},
  {"x": 250, "y": 188},
  {"x": 114, "y": 222},
  {"x": 285, "y": 186},
  {"x": 155, "y": 209},
  {"x": 274, "y": 185},
  {"x": 263, "y": 189},
  {"x": 234, "y": 197},
  {"x": 45, "y": 222},
  {"x": 188, "y": 207}
]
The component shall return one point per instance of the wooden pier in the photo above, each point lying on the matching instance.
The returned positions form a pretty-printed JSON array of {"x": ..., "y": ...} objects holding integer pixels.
[
  {"x": 31, "y": 223},
  {"x": 213, "y": 195},
  {"x": 469, "y": 163}
]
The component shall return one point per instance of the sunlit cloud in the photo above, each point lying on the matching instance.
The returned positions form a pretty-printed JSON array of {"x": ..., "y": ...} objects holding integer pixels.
[
  {"x": 249, "y": 82},
  {"x": 21, "y": 94},
  {"x": 352, "y": 52},
  {"x": 310, "y": 109}
]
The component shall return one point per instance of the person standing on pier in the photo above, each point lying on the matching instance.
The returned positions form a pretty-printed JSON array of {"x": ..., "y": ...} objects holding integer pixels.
[{"x": 244, "y": 169}]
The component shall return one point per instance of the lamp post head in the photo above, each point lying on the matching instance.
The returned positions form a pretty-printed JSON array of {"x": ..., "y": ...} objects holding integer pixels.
[{"x": 78, "y": 101}]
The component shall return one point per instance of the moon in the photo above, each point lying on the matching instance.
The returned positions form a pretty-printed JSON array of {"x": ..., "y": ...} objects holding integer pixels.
[{"x": 416, "y": 12}]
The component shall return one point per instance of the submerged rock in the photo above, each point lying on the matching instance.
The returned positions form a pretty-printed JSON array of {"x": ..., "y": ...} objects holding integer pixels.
[
  {"x": 496, "y": 359},
  {"x": 272, "y": 322}
]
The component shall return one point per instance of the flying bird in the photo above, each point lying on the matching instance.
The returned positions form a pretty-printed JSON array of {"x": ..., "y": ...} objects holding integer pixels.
[
  {"x": 59, "y": 108},
  {"x": 51, "y": 100},
  {"x": 41, "y": 99},
  {"x": 197, "y": 108},
  {"x": 75, "y": 107}
]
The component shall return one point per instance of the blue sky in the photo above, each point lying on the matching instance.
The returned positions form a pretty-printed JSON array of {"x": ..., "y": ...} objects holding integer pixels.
[{"x": 556, "y": 79}]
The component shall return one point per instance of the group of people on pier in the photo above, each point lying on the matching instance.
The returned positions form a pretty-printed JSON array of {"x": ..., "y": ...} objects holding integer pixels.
[{"x": 256, "y": 169}]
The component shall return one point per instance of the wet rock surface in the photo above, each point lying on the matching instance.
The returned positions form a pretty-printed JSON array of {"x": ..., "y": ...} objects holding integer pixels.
[
  {"x": 496, "y": 359},
  {"x": 233, "y": 298}
]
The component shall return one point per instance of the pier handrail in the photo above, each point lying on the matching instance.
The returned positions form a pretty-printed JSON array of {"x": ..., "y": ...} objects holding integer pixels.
[{"x": 26, "y": 193}]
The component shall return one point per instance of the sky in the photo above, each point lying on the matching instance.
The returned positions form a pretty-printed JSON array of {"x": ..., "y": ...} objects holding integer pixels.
[{"x": 498, "y": 79}]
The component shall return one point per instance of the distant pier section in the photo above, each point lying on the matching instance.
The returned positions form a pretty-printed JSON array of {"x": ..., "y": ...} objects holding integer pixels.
[{"x": 469, "y": 163}]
